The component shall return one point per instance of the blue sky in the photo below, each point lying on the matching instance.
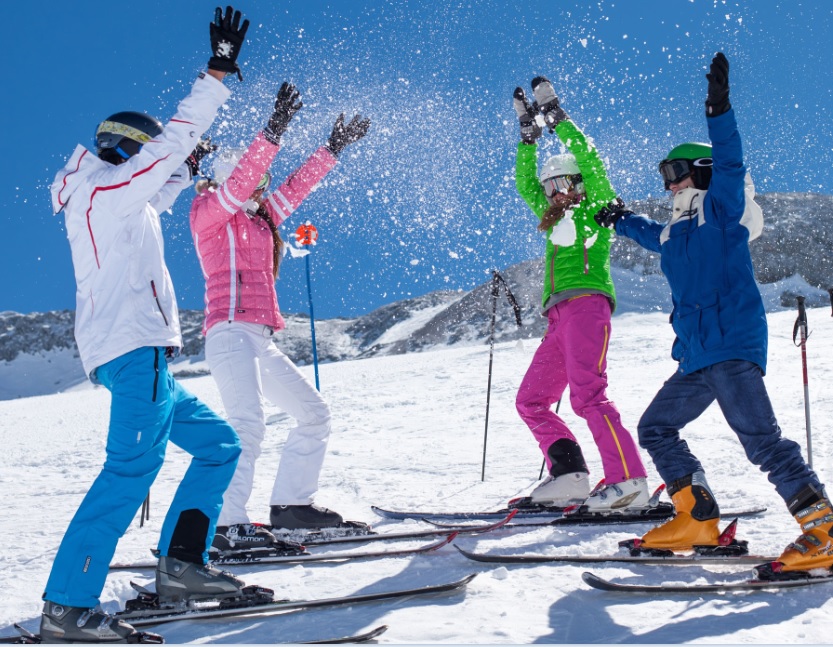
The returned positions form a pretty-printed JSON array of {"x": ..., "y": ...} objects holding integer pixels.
[{"x": 427, "y": 200}]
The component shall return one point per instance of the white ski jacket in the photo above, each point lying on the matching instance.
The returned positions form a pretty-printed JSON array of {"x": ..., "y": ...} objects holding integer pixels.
[{"x": 125, "y": 299}]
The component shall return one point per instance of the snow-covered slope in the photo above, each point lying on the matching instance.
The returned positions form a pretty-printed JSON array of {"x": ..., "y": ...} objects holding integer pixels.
[{"x": 408, "y": 431}]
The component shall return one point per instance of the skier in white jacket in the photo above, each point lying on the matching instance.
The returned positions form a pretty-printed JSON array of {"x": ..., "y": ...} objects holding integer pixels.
[{"x": 127, "y": 327}]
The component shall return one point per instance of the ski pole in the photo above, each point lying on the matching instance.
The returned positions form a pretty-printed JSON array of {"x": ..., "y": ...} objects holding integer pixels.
[
  {"x": 312, "y": 328},
  {"x": 307, "y": 234},
  {"x": 497, "y": 281},
  {"x": 145, "y": 514},
  {"x": 800, "y": 327},
  {"x": 830, "y": 292}
]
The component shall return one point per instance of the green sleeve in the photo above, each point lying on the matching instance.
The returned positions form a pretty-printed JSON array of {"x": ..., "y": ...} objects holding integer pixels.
[
  {"x": 596, "y": 184},
  {"x": 526, "y": 178}
]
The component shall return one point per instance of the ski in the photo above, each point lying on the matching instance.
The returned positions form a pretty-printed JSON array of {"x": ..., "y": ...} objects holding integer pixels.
[
  {"x": 256, "y": 557},
  {"x": 357, "y": 638},
  {"x": 417, "y": 534},
  {"x": 28, "y": 638},
  {"x": 683, "y": 560},
  {"x": 717, "y": 587},
  {"x": 155, "y": 614},
  {"x": 545, "y": 515}
]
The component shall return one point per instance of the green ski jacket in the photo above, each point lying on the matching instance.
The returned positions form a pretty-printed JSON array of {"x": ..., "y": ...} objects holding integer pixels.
[{"x": 578, "y": 249}]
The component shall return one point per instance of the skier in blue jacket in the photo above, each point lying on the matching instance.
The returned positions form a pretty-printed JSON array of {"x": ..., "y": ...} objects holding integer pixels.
[{"x": 721, "y": 343}]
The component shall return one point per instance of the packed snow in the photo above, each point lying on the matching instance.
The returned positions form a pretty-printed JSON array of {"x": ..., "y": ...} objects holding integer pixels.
[{"x": 409, "y": 433}]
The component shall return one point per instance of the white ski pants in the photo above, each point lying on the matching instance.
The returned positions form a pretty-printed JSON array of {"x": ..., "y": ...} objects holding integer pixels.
[{"x": 246, "y": 365}]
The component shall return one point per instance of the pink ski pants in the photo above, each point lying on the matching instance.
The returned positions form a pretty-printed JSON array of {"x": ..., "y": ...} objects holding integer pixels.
[{"x": 574, "y": 353}]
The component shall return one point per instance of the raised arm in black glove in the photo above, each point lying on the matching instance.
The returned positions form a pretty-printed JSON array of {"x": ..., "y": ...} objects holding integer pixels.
[
  {"x": 609, "y": 215},
  {"x": 227, "y": 35},
  {"x": 344, "y": 134},
  {"x": 717, "y": 100},
  {"x": 203, "y": 148},
  {"x": 547, "y": 102},
  {"x": 530, "y": 130},
  {"x": 287, "y": 103}
]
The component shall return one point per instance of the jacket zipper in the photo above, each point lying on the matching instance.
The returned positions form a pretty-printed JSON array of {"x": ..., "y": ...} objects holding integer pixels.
[
  {"x": 586, "y": 263},
  {"x": 155, "y": 371},
  {"x": 158, "y": 305},
  {"x": 552, "y": 269}
]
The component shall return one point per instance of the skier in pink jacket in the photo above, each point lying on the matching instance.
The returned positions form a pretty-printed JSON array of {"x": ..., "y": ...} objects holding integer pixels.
[{"x": 234, "y": 225}]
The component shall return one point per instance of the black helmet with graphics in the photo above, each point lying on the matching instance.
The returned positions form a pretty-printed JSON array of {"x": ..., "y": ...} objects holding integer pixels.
[
  {"x": 122, "y": 135},
  {"x": 690, "y": 159}
]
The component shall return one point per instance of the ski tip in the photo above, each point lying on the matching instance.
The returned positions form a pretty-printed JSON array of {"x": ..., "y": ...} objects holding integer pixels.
[{"x": 595, "y": 581}]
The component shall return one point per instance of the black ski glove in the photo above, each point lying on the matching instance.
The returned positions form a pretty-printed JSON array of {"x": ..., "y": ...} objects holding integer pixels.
[
  {"x": 287, "y": 103},
  {"x": 227, "y": 35},
  {"x": 343, "y": 135},
  {"x": 547, "y": 102},
  {"x": 530, "y": 130},
  {"x": 609, "y": 215},
  {"x": 717, "y": 100},
  {"x": 203, "y": 148}
]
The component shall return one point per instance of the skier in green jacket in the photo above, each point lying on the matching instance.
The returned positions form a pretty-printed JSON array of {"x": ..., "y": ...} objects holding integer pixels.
[{"x": 578, "y": 300}]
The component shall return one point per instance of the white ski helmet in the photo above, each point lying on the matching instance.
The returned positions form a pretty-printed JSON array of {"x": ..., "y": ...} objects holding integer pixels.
[
  {"x": 226, "y": 160},
  {"x": 561, "y": 166}
]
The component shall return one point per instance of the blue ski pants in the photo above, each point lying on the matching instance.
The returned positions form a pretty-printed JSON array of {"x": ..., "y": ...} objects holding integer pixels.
[
  {"x": 148, "y": 408},
  {"x": 738, "y": 387}
]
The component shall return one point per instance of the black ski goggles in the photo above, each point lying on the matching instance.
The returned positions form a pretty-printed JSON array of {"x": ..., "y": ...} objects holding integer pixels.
[{"x": 675, "y": 171}]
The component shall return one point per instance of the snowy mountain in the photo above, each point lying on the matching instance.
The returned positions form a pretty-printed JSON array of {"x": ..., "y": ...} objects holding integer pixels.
[{"x": 38, "y": 353}]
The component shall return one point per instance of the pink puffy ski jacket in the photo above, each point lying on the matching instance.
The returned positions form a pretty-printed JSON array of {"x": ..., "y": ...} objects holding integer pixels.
[{"x": 235, "y": 250}]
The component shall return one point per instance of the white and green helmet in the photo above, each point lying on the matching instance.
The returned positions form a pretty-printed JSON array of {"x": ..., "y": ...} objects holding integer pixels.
[{"x": 560, "y": 173}]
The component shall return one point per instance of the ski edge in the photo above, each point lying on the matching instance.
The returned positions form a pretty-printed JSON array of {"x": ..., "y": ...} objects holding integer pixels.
[
  {"x": 596, "y": 582},
  {"x": 357, "y": 638},
  {"x": 278, "y": 608},
  {"x": 522, "y": 518},
  {"x": 683, "y": 560}
]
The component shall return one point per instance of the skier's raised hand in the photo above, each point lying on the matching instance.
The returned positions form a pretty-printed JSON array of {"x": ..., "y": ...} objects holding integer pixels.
[
  {"x": 203, "y": 148},
  {"x": 547, "y": 102},
  {"x": 530, "y": 130},
  {"x": 609, "y": 215},
  {"x": 287, "y": 103},
  {"x": 227, "y": 36},
  {"x": 717, "y": 100},
  {"x": 344, "y": 134}
]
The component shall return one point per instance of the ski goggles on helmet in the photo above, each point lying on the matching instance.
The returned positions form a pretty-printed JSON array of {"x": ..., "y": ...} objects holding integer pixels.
[
  {"x": 675, "y": 171},
  {"x": 264, "y": 183},
  {"x": 563, "y": 184}
]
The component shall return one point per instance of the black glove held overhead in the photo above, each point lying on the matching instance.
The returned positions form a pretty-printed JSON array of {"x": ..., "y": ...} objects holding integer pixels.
[
  {"x": 547, "y": 102},
  {"x": 530, "y": 130},
  {"x": 609, "y": 215},
  {"x": 717, "y": 100},
  {"x": 343, "y": 135},
  {"x": 227, "y": 35},
  {"x": 287, "y": 103},
  {"x": 203, "y": 148}
]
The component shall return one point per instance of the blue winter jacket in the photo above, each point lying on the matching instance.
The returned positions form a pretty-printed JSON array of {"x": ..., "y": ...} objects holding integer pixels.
[{"x": 718, "y": 311}]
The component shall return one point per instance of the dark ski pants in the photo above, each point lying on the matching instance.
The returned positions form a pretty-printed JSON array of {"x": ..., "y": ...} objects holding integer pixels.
[
  {"x": 738, "y": 387},
  {"x": 148, "y": 408}
]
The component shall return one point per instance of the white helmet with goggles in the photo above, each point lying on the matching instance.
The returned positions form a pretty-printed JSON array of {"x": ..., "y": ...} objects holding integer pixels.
[{"x": 560, "y": 174}]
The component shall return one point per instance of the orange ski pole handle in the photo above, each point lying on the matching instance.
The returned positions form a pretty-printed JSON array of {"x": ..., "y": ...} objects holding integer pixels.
[{"x": 306, "y": 234}]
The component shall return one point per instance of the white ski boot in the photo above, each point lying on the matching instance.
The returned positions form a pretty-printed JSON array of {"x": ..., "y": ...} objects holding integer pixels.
[
  {"x": 628, "y": 496},
  {"x": 561, "y": 491}
]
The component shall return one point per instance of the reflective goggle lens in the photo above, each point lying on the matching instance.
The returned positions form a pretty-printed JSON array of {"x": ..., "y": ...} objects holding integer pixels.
[
  {"x": 675, "y": 171},
  {"x": 561, "y": 184},
  {"x": 264, "y": 183}
]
